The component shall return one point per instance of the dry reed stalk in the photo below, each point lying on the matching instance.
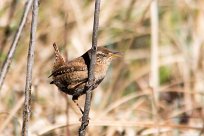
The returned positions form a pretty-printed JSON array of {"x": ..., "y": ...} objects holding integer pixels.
[
  {"x": 30, "y": 61},
  {"x": 9, "y": 57},
  {"x": 7, "y": 31},
  {"x": 154, "y": 72}
]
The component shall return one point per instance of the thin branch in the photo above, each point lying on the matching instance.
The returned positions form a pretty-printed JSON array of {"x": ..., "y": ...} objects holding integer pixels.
[
  {"x": 90, "y": 84},
  {"x": 30, "y": 61},
  {"x": 7, "y": 30},
  {"x": 12, "y": 49},
  {"x": 154, "y": 77}
]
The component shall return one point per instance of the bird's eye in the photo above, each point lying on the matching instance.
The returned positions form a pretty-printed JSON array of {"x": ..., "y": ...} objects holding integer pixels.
[{"x": 102, "y": 55}]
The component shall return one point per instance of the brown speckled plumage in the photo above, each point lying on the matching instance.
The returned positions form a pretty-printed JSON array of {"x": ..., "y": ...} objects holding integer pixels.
[{"x": 71, "y": 77}]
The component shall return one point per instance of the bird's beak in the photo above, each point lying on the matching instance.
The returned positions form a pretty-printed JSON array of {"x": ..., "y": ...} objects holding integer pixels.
[{"x": 117, "y": 54}]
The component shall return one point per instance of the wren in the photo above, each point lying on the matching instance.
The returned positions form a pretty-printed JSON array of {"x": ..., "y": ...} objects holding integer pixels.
[{"x": 71, "y": 77}]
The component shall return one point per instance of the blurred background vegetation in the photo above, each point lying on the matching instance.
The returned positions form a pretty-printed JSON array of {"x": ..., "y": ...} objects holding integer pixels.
[{"x": 128, "y": 102}]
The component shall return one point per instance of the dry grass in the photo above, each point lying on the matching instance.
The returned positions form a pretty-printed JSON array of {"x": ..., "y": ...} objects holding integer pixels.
[{"x": 122, "y": 104}]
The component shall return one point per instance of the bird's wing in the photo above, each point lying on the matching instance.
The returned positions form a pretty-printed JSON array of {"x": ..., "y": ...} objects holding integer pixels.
[
  {"x": 77, "y": 64},
  {"x": 67, "y": 69},
  {"x": 73, "y": 71}
]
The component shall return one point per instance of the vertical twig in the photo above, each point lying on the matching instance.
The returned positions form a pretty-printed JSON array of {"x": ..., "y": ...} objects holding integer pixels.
[
  {"x": 154, "y": 74},
  {"x": 7, "y": 30},
  {"x": 65, "y": 34},
  {"x": 90, "y": 84},
  {"x": 66, "y": 58},
  {"x": 30, "y": 61},
  {"x": 12, "y": 49}
]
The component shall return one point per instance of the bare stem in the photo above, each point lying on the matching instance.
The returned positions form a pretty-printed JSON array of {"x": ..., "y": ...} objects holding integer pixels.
[
  {"x": 9, "y": 57},
  {"x": 30, "y": 61},
  {"x": 90, "y": 84},
  {"x": 7, "y": 30},
  {"x": 154, "y": 77}
]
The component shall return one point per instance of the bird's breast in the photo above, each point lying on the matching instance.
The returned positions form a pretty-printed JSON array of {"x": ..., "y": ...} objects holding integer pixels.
[{"x": 100, "y": 71}]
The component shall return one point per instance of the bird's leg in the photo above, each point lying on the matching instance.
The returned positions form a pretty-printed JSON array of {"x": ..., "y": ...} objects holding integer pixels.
[
  {"x": 75, "y": 98},
  {"x": 75, "y": 101}
]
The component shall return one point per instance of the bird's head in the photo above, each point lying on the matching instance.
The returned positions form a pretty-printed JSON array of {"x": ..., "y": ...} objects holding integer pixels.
[{"x": 105, "y": 55}]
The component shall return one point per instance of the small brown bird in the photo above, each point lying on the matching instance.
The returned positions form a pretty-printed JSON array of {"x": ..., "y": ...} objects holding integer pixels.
[{"x": 71, "y": 77}]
